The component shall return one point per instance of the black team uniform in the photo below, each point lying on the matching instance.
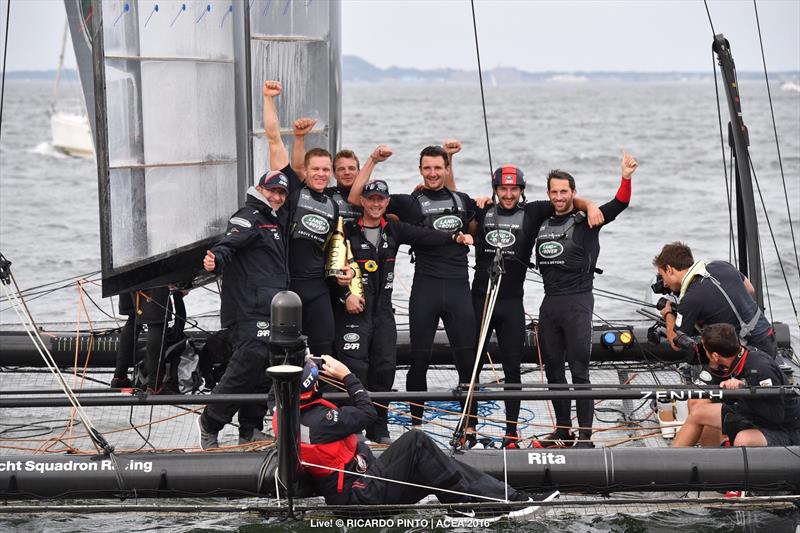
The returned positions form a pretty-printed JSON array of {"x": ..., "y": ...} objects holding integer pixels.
[
  {"x": 312, "y": 220},
  {"x": 517, "y": 230},
  {"x": 718, "y": 295},
  {"x": 778, "y": 419},
  {"x": 329, "y": 441},
  {"x": 566, "y": 255},
  {"x": 348, "y": 211},
  {"x": 441, "y": 285},
  {"x": 367, "y": 342},
  {"x": 252, "y": 260}
]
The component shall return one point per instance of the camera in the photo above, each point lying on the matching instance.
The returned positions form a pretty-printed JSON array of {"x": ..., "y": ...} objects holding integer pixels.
[
  {"x": 317, "y": 361},
  {"x": 662, "y": 303},
  {"x": 658, "y": 287}
]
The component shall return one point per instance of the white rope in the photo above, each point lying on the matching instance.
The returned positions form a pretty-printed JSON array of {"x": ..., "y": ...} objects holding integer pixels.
[
  {"x": 505, "y": 471},
  {"x": 49, "y": 361},
  {"x": 488, "y": 310},
  {"x": 435, "y": 489}
]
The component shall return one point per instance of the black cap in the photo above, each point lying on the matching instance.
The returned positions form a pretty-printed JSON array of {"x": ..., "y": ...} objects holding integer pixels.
[
  {"x": 376, "y": 187},
  {"x": 274, "y": 180}
]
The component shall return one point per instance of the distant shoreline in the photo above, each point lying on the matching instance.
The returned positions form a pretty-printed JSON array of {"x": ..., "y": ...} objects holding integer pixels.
[{"x": 357, "y": 70}]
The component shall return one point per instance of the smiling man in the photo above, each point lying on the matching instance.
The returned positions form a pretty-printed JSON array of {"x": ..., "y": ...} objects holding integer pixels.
[
  {"x": 441, "y": 280},
  {"x": 366, "y": 336},
  {"x": 312, "y": 219},
  {"x": 566, "y": 255}
]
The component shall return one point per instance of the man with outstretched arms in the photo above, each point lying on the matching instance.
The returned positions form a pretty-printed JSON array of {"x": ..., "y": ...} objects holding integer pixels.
[
  {"x": 752, "y": 421},
  {"x": 345, "y": 472},
  {"x": 366, "y": 334},
  {"x": 345, "y": 169},
  {"x": 710, "y": 293},
  {"x": 441, "y": 280},
  {"x": 312, "y": 219},
  {"x": 511, "y": 226},
  {"x": 252, "y": 260},
  {"x": 566, "y": 254}
]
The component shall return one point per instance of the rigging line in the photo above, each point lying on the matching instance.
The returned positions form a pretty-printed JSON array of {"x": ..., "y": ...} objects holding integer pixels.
[
  {"x": 5, "y": 51},
  {"x": 732, "y": 243},
  {"x": 766, "y": 284},
  {"x": 480, "y": 78},
  {"x": 713, "y": 32},
  {"x": 774, "y": 242},
  {"x": 777, "y": 144}
]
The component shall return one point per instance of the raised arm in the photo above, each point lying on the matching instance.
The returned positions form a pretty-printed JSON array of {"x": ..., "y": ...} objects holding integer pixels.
[
  {"x": 302, "y": 127},
  {"x": 381, "y": 153},
  {"x": 452, "y": 147},
  {"x": 278, "y": 155}
]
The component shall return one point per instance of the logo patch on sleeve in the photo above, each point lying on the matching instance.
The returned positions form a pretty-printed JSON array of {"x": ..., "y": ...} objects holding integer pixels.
[
  {"x": 243, "y": 222},
  {"x": 766, "y": 382}
]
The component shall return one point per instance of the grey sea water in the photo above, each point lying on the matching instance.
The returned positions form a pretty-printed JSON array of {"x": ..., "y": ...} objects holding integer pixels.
[{"x": 49, "y": 213}]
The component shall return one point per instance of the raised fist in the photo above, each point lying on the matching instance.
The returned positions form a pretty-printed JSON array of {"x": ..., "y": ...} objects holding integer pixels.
[
  {"x": 451, "y": 146},
  {"x": 381, "y": 153},
  {"x": 272, "y": 88},
  {"x": 629, "y": 165},
  {"x": 303, "y": 126}
]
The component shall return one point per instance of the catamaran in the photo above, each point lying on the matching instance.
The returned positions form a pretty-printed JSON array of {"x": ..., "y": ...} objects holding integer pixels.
[{"x": 154, "y": 73}]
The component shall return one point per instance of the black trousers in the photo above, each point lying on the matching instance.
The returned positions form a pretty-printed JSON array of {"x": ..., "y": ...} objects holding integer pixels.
[
  {"x": 432, "y": 299},
  {"x": 415, "y": 458},
  {"x": 126, "y": 354},
  {"x": 508, "y": 321},
  {"x": 367, "y": 344},
  {"x": 246, "y": 374},
  {"x": 565, "y": 332},
  {"x": 151, "y": 307},
  {"x": 317, "y": 314}
]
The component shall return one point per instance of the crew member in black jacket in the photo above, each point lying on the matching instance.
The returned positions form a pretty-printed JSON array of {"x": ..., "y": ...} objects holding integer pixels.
[
  {"x": 566, "y": 254},
  {"x": 252, "y": 260},
  {"x": 345, "y": 471},
  {"x": 773, "y": 421},
  {"x": 366, "y": 336}
]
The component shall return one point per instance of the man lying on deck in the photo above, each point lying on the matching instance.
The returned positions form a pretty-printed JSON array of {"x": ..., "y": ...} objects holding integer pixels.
[
  {"x": 756, "y": 422},
  {"x": 345, "y": 472}
]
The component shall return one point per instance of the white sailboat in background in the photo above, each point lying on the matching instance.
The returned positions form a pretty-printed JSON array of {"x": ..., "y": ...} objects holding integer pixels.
[{"x": 70, "y": 132}]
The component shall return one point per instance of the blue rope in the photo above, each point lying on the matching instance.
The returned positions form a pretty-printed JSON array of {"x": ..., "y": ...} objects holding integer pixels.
[{"x": 401, "y": 416}]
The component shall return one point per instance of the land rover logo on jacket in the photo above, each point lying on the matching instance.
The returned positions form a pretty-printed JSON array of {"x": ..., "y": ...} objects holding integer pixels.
[
  {"x": 315, "y": 223},
  {"x": 549, "y": 250},
  {"x": 500, "y": 238},
  {"x": 351, "y": 337},
  {"x": 447, "y": 223}
]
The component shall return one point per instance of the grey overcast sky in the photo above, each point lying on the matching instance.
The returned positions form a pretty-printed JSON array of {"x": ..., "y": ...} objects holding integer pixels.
[{"x": 535, "y": 35}]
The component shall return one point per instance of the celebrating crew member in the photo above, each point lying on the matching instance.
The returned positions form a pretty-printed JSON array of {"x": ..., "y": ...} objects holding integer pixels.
[
  {"x": 312, "y": 219},
  {"x": 773, "y": 421},
  {"x": 345, "y": 169},
  {"x": 345, "y": 472},
  {"x": 566, "y": 254},
  {"x": 441, "y": 281},
  {"x": 511, "y": 226},
  {"x": 252, "y": 260},
  {"x": 710, "y": 293},
  {"x": 366, "y": 335}
]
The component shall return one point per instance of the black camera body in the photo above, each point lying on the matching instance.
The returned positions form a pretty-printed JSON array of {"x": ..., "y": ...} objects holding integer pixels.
[{"x": 658, "y": 287}]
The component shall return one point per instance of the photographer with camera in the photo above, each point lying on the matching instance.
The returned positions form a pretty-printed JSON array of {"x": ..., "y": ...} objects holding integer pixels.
[
  {"x": 773, "y": 421},
  {"x": 710, "y": 293}
]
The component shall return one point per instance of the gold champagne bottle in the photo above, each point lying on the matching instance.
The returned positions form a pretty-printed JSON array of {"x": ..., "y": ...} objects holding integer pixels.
[
  {"x": 356, "y": 284},
  {"x": 337, "y": 252}
]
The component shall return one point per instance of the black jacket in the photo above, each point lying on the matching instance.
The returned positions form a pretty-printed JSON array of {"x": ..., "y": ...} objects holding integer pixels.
[{"x": 252, "y": 260}]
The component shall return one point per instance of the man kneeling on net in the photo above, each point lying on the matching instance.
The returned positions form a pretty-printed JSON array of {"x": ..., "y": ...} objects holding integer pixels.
[
  {"x": 771, "y": 421},
  {"x": 345, "y": 471}
]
